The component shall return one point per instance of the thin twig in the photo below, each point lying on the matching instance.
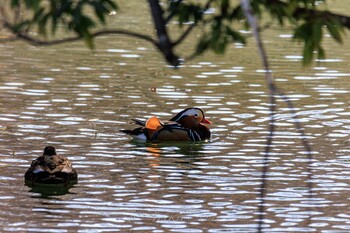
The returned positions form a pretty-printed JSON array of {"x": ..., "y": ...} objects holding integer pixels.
[
  {"x": 272, "y": 92},
  {"x": 184, "y": 35},
  {"x": 194, "y": 54},
  {"x": 192, "y": 26},
  {"x": 170, "y": 16},
  {"x": 164, "y": 43},
  {"x": 35, "y": 41},
  {"x": 304, "y": 141},
  {"x": 247, "y": 10}
]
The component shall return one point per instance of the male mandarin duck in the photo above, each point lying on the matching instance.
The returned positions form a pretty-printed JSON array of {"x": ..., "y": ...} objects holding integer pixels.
[
  {"x": 187, "y": 125},
  {"x": 51, "y": 168}
]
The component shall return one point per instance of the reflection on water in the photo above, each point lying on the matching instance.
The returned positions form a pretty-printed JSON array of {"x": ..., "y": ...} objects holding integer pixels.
[
  {"x": 77, "y": 100},
  {"x": 45, "y": 191}
]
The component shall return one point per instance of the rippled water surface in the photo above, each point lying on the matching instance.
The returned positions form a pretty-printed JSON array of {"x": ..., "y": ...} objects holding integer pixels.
[{"x": 77, "y": 100}]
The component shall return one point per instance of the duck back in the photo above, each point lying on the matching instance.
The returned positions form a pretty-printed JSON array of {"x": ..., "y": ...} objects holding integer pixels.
[{"x": 51, "y": 169}]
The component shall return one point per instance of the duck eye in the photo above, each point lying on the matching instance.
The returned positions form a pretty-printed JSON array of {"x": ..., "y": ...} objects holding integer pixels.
[{"x": 196, "y": 115}]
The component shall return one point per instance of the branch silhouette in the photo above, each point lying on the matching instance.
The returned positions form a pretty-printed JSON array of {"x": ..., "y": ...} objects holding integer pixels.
[
  {"x": 164, "y": 43},
  {"x": 273, "y": 91},
  {"x": 39, "y": 42}
]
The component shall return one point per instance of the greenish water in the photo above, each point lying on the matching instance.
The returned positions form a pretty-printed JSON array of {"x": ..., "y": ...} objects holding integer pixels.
[{"x": 77, "y": 100}]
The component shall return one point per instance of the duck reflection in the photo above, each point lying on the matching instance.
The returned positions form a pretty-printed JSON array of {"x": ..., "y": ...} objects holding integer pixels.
[
  {"x": 172, "y": 149},
  {"x": 165, "y": 169},
  {"x": 49, "y": 190},
  {"x": 182, "y": 154}
]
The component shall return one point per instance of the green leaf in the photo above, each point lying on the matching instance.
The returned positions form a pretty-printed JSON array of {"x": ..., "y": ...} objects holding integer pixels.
[
  {"x": 307, "y": 53},
  {"x": 320, "y": 53},
  {"x": 14, "y": 3},
  {"x": 302, "y": 32},
  {"x": 202, "y": 45},
  {"x": 110, "y": 5},
  {"x": 236, "y": 13},
  {"x": 100, "y": 12},
  {"x": 89, "y": 40},
  {"x": 292, "y": 6},
  {"x": 334, "y": 30},
  {"x": 236, "y": 36},
  {"x": 38, "y": 14},
  {"x": 316, "y": 32},
  {"x": 225, "y": 4},
  {"x": 42, "y": 24},
  {"x": 20, "y": 26},
  {"x": 34, "y": 4}
]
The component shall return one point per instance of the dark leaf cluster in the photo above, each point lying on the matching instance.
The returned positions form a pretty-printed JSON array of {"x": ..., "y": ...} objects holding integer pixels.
[
  {"x": 75, "y": 15},
  {"x": 218, "y": 17},
  {"x": 218, "y": 22}
]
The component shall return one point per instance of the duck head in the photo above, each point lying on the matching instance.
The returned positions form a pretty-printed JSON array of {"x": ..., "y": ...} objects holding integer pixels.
[
  {"x": 49, "y": 150},
  {"x": 196, "y": 114}
]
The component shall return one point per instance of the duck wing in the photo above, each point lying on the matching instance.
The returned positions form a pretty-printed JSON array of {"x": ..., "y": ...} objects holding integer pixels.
[
  {"x": 60, "y": 164},
  {"x": 51, "y": 164},
  {"x": 165, "y": 123},
  {"x": 155, "y": 130},
  {"x": 39, "y": 165},
  {"x": 175, "y": 132}
]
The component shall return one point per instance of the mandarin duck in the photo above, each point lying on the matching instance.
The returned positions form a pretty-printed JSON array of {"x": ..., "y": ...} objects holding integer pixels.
[
  {"x": 51, "y": 168},
  {"x": 187, "y": 125}
]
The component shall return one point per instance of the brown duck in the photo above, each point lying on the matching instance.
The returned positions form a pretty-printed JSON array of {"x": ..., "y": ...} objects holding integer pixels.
[{"x": 51, "y": 168}]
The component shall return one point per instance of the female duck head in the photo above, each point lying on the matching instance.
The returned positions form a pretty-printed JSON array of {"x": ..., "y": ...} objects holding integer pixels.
[{"x": 49, "y": 150}]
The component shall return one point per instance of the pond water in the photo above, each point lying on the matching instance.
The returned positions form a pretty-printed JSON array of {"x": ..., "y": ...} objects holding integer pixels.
[{"x": 77, "y": 100}]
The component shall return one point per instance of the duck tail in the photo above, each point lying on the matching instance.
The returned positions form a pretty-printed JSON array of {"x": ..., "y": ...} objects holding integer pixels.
[
  {"x": 136, "y": 131},
  {"x": 139, "y": 122}
]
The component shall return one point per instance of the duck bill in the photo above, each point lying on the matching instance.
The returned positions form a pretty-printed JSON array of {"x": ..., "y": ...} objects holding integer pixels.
[{"x": 205, "y": 121}]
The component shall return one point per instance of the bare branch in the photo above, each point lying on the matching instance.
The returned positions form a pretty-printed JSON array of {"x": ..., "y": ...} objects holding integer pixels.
[
  {"x": 184, "y": 35},
  {"x": 35, "y": 41},
  {"x": 272, "y": 92},
  {"x": 167, "y": 20},
  {"x": 164, "y": 43},
  {"x": 191, "y": 27},
  {"x": 304, "y": 141}
]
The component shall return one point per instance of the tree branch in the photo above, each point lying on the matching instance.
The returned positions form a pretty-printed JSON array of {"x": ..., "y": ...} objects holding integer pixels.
[
  {"x": 164, "y": 43},
  {"x": 248, "y": 12},
  {"x": 191, "y": 27},
  {"x": 170, "y": 16},
  {"x": 38, "y": 42},
  {"x": 184, "y": 35},
  {"x": 304, "y": 141}
]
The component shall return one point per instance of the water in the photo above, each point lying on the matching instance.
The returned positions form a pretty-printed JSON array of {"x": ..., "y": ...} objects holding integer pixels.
[{"x": 77, "y": 100}]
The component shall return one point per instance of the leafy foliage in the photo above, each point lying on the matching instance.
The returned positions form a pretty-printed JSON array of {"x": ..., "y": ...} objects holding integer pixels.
[
  {"x": 216, "y": 18},
  {"x": 309, "y": 23},
  {"x": 74, "y": 14},
  {"x": 311, "y": 31},
  {"x": 219, "y": 21}
]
